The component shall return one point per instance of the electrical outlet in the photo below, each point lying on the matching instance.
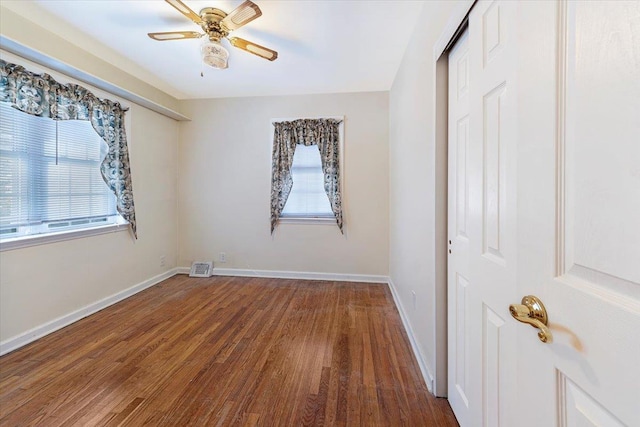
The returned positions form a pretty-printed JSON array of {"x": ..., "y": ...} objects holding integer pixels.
[
  {"x": 222, "y": 257},
  {"x": 413, "y": 294},
  {"x": 163, "y": 261}
]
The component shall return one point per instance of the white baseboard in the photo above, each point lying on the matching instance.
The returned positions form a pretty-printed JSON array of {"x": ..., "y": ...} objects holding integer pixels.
[
  {"x": 59, "y": 323},
  {"x": 301, "y": 275},
  {"x": 426, "y": 374}
]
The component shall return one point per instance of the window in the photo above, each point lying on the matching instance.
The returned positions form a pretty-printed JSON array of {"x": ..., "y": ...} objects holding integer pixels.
[
  {"x": 308, "y": 198},
  {"x": 50, "y": 177},
  {"x": 305, "y": 152}
]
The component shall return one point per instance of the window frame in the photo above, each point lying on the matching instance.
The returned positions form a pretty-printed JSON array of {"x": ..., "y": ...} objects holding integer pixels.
[
  {"x": 120, "y": 223},
  {"x": 315, "y": 220}
]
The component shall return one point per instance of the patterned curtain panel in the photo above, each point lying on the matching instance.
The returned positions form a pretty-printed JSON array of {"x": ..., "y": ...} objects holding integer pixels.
[
  {"x": 321, "y": 132},
  {"x": 41, "y": 95}
]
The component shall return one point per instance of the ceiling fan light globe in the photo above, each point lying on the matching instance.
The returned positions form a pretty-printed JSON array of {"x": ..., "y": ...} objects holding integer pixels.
[{"x": 214, "y": 54}]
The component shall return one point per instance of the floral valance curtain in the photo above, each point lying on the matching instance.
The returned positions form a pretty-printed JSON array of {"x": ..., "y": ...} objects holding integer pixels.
[
  {"x": 321, "y": 132},
  {"x": 41, "y": 95}
]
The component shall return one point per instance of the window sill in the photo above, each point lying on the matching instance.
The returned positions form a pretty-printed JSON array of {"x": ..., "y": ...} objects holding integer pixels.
[
  {"x": 43, "y": 239},
  {"x": 329, "y": 220}
]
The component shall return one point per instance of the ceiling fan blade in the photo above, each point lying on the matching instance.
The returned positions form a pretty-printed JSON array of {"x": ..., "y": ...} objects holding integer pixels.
[
  {"x": 256, "y": 49},
  {"x": 185, "y": 10},
  {"x": 175, "y": 35},
  {"x": 241, "y": 15}
]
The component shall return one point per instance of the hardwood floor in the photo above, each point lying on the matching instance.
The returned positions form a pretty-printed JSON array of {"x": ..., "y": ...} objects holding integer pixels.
[{"x": 226, "y": 351}]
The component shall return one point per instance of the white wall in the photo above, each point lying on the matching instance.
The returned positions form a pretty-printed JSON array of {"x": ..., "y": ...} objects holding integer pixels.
[
  {"x": 225, "y": 179},
  {"x": 42, "y": 283},
  {"x": 413, "y": 229}
]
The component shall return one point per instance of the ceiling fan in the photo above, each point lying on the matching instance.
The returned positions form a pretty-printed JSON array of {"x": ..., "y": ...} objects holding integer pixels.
[{"x": 217, "y": 25}]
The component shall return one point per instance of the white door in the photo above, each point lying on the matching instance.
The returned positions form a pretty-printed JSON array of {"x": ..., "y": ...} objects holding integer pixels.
[
  {"x": 482, "y": 239},
  {"x": 493, "y": 258},
  {"x": 554, "y": 211},
  {"x": 579, "y": 210},
  {"x": 458, "y": 213}
]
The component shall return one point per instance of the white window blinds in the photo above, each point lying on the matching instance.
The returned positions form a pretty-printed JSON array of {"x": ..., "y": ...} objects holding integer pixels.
[
  {"x": 50, "y": 175},
  {"x": 307, "y": 198}
]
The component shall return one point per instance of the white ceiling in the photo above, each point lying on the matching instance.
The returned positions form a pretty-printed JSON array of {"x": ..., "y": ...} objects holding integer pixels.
[{"x": 324, "y": 46}]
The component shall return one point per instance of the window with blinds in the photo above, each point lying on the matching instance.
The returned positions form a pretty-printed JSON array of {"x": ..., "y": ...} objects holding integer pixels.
[
  {"x": 50, "y": 177},
  {"x": 307, "y": 198}
]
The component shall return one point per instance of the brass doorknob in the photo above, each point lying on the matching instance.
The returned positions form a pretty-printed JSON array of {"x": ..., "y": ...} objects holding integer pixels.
[{"x": 532, "y": 311}]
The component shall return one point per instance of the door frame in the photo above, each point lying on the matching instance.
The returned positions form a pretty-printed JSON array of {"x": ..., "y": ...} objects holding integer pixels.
[{"x": 452, "y": 30}]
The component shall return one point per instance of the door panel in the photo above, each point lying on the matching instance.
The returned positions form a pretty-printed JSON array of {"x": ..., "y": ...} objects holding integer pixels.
[
  {"x": 492, "y": 409},
  {"x": 599, "y": 211},
  {"x": 553, "y": 210},
  {"x": 481, "y": 218},
  {"x": 461, "y": 360},
  {"x": 579, "y": 204},
  {"x": 461, "y": 180},
  {"x": 493, "y": 32},
  {"x": 602, "y": 144},
  {"x": 492, "y": 209},
  {"x": 458, "y": 214},
  {"x": 579, "y": 409},
  {"x": 494, "y": 197}
]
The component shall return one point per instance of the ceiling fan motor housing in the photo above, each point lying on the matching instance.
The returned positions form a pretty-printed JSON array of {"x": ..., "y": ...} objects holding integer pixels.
[{"x": 211, "y": 18}]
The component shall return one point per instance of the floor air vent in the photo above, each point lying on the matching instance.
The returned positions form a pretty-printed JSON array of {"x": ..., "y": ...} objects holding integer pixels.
[{"x": 201, "y": 269}]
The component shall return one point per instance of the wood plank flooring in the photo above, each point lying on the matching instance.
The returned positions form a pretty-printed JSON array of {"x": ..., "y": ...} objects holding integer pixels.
[{"x": 226, "y": 351}]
